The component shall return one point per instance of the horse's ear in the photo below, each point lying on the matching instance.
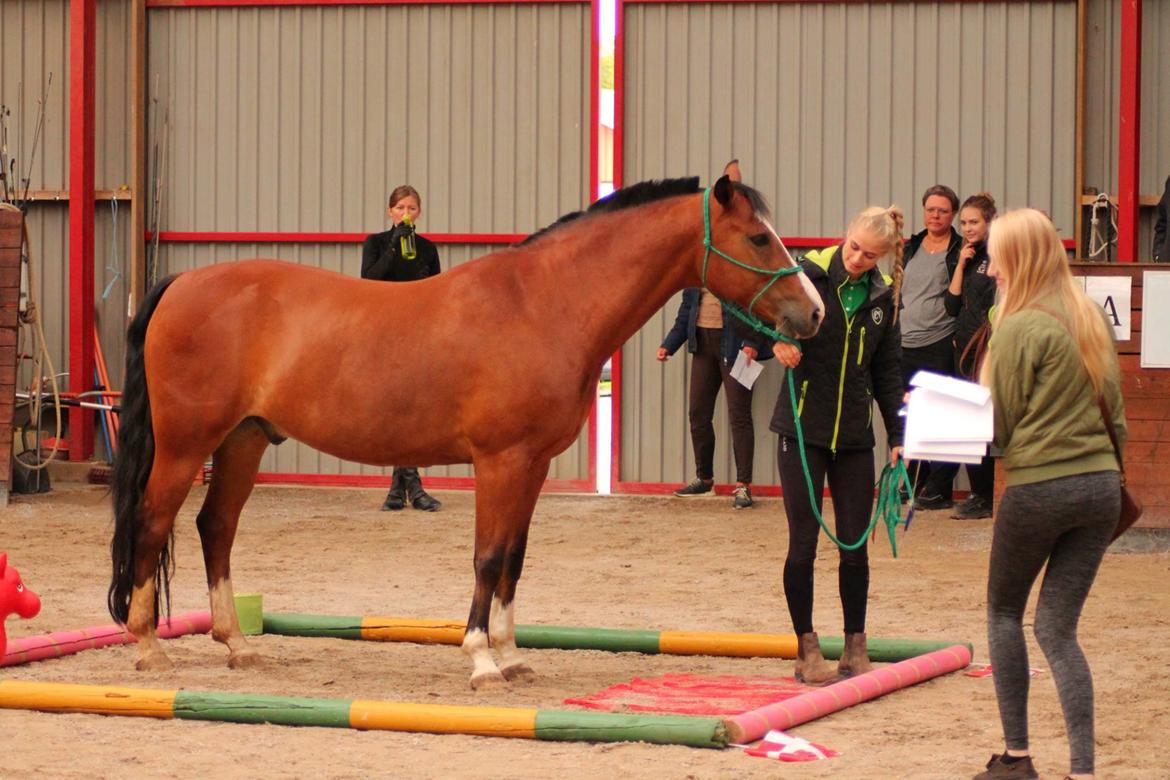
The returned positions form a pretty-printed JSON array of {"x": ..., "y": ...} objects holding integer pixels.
[
  {"x": 731, "y": 170},
  {"x": 724, "y": 190},
  {"x": 3, "y": 562}
]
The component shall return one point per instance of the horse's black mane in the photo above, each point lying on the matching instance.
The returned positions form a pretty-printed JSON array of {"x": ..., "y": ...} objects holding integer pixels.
[{"x": 647, "y": 192}]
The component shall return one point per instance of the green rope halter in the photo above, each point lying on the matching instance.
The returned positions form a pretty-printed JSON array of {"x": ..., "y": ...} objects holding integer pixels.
[
  {"x": 746, "y": 317},
  {"x": 888, "y": 507}
]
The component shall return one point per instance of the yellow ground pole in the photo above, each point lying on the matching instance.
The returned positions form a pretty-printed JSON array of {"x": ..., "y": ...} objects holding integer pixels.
[
  {"x": 443, "y": 719},
  {"x": 96, "y": 699}
]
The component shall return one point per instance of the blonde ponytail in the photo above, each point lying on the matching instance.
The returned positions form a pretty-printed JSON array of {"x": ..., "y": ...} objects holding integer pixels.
[{"x": 886, "y": 225}]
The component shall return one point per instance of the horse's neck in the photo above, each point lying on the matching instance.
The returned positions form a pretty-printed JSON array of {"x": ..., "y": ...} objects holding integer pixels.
[{"x": 626, "y": 273}]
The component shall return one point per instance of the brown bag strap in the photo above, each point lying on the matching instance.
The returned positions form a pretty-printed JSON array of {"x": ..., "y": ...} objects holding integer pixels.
[
  {"x": 1105, "y": 415},
  {"x": 978, "y": 342}
]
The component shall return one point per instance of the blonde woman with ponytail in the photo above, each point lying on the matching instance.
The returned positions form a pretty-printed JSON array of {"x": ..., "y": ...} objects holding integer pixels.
[
  {"x": 839, "y": 373},
  {"x": 1050, "y": 358}
]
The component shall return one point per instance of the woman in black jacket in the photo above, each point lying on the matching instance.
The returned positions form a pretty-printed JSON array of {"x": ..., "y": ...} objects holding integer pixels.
[
  {"x": 383, "y": 259},
  {"x": 969, "y": 299},
  {"x": 853, "y": 360},
  {"x": 714, "y": 342}
]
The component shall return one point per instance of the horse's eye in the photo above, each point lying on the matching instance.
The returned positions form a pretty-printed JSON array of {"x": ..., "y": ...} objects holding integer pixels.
[
  {"x": 20, "y": 587},
  {"x": 760, "y": 240}
]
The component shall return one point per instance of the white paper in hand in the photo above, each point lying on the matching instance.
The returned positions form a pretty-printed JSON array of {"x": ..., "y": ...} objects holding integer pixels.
[
  {"x": 948, "y": 419},
  {"x": 746, "y": 373}
]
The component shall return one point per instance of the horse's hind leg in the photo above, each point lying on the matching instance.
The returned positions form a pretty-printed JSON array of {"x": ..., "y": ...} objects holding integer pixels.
[
  {"x": 235, "y": 464},
  {"x": 168, "y": 486},
  {"x": 506, "y": 489}
]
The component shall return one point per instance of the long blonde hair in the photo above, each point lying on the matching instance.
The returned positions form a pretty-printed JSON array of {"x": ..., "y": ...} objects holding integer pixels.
[
  {"x": 1026, "y": 251},
  {"x": 886, "y": 224}
]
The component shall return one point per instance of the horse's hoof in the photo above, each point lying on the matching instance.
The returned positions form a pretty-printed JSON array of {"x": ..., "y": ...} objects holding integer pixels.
[
  {"x": 487, "y": 680},
  {"x": 245, "y": 659},
  {"x": 521, "y": 673},
  {"x": 155, "y": 662}
]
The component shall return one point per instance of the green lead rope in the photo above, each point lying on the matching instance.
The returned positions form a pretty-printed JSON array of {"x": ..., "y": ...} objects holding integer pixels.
[{"x": 889, "y": 495}]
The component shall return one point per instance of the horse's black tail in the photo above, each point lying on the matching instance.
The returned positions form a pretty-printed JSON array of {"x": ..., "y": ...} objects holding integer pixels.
[{"x": 132, "y": 465}]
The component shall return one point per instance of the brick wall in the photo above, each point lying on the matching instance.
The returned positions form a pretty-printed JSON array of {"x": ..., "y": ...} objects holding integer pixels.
[{"x": 10, "y": 223}]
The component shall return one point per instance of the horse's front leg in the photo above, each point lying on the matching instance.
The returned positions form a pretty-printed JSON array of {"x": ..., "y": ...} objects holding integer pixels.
[
  {"x": 506, "y": 490},
  {"x": 502, "y": 627}
]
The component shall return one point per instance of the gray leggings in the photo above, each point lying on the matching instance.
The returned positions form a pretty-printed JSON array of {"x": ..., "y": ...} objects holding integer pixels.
[{"x": 1066, "y": 522}]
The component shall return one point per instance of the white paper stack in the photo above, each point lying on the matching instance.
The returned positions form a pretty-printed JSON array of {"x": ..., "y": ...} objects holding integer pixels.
[{"x": 948, "y": 419}]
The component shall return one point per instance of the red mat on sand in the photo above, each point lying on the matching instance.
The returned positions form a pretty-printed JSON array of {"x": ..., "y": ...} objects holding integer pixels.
[{"x": 689, "y": 694}]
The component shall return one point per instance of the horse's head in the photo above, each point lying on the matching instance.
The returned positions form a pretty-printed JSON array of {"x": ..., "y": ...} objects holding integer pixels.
[
  {"x": 748, "y": 264},
  {"x": 14, "y": 597}
]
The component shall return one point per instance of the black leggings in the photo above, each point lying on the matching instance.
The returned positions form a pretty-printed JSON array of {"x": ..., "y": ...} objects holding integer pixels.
[
  {"x": 1061, "y": 526},
  {"x": 850, "y": 476}
]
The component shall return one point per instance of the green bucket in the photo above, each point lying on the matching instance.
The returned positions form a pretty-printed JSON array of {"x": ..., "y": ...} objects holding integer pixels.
[{"x": 250, "y": 609}]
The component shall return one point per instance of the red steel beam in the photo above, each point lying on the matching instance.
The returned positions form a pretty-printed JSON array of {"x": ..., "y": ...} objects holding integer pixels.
[
  {"x": 82, "y": 45},
  {"x": 1129, "y": 132},
  {"x": 288, "y": 3},
  {"x": 277, "y": 237}
]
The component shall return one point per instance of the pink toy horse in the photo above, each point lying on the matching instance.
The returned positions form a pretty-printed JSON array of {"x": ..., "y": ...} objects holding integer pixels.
[{"x": 14, "y": 597}]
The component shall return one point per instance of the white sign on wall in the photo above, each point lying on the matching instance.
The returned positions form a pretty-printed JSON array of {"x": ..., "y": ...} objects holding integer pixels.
[
  {"x": 1156, "y": 319},
  {"x": 1113, "y": 294}
]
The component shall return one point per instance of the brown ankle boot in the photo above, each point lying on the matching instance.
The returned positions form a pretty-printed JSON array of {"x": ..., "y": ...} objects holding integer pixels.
[
  {"x": 811, "y": 666},
  {"x": 855, "y": 656}
]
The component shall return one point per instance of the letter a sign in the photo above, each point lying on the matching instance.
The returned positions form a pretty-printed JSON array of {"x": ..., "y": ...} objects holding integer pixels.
[{"x": 1112, "y": 293}]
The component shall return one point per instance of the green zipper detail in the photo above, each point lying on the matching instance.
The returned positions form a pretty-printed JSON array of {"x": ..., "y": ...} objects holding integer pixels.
[
  {"x": 844, "y": 363},
  {"x": 803, "y": 390},
  {"x": 861, "y": 345}
]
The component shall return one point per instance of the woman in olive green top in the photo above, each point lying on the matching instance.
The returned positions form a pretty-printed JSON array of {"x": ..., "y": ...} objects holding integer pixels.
[{"x": 1051, "y": 356}]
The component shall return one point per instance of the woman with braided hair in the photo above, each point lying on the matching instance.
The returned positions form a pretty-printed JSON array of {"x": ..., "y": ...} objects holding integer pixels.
[{"x": 853, "y": 360}]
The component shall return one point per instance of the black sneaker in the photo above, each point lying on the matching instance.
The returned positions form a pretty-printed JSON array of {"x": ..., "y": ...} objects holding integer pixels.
[
  {"x": 933, "y": 502},
  {"x": 742, "y": 497},
  {"x": 1005, "y": 767},
  {"x": 696, "y": 488},
  {"x": 974, "y": 508}
]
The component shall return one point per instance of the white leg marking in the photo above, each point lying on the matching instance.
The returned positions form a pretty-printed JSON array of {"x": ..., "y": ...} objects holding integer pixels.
[
  {"x": 225, "y": 625},
  {"x": 475, "y": 645},
  {"x": 502, "y": 628}
]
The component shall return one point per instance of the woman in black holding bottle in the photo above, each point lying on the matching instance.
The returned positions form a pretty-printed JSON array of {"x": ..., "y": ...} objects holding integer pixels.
[{"x": 388, "y": 257}]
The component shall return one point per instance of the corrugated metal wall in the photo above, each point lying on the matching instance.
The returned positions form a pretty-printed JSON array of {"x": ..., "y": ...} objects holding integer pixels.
[
  {"x": 26, "y": 62},
  {"x": 1102, "y": 101},
  {"x": 303, "y": 119},
  {"x": 832, "y": 107}
]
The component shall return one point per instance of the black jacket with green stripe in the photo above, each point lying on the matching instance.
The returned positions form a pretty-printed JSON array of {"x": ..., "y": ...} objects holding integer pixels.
[{"x": 846, "y": 366}]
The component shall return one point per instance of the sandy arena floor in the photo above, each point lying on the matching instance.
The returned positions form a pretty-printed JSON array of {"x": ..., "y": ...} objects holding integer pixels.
[{"x": 623, "y": 562}]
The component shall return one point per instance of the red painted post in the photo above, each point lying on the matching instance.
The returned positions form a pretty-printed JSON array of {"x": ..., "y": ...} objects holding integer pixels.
[
  {"x": 1129, "y": 132},
  {"x": 82, "y": 44}
]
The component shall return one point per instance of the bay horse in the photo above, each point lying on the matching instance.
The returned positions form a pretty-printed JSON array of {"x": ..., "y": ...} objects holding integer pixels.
[{"x": 224, "y": 360}]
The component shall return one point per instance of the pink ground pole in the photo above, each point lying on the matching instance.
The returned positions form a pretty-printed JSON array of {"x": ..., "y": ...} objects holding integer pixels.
[
  {"x": 37, "y": 648},
  {"x": 750, "y": 726}
]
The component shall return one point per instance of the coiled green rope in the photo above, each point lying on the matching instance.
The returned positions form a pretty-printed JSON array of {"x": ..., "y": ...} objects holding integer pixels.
[{"x": 888, "y": 506}]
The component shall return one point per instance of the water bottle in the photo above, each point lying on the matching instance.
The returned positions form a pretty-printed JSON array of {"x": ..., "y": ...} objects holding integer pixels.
[{"x": 406, "y": 242}]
